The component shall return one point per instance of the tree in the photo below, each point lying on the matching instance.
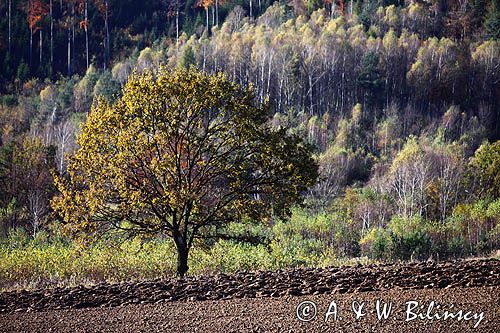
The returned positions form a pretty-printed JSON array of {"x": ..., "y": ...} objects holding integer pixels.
[
  {"x": 370, "y": 78},
  {"x": 410, "y": 177},
  {"x": 206, "y": 4},
  {"x": 337, "y": 167},
  {"x": 492, "y": 21},
  {"x": 65, "y": 132},
  {"x": 486, "y": 166},
  {"x": 36, "y": 12},
  {"x": 82, "y": 91},
  {"x": 181, "y": 153},
  {"x": 187, "y": 58},
  {"x": 31, "y": 181},
  {"x": 435, "y": 74},
  {"x": 173, "y": 10},
  {"x": 103, "y": 8},
  {"x": 83, "y": 8},
  {"x": 9, "y": 15},
  {"x": 69, "y": 24},
  {"x": 486, "y": 60},
  {"x": 447, "y": 187},
  {"x": 313, "y": 5}
]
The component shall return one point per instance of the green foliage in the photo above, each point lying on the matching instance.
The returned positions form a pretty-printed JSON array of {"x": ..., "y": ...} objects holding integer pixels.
[
  {"x": 313, "y": 5},
  {"x": 492, "y": 21},
  {"x": 367, "y": 13},
  {"x": 404, "y": 238},
  {"x": 84, "y": 88},
  {"x": 22, "y": 73},
  {"x": 52, "y": 261},
  {"x": 476, "y": 225},
  {"x": 410, "y": 238},
  {"x": 106, "y": 88},
  {"x": 377, "y": 244},
  {"x": 187, "y": 59},
  {"x": 486, "y": 166},
  {"x": 40, "y": 262}
]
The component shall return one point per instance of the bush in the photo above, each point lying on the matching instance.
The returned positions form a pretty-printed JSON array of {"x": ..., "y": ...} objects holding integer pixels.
[
  {"x": 477, "y": 225},
  {"x": 377, "y": 243},
  {"x": 410, "y": 238}
]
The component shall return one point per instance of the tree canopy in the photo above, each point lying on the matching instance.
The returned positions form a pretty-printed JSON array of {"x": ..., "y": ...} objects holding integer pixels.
[{"x": 179, "y": 153}]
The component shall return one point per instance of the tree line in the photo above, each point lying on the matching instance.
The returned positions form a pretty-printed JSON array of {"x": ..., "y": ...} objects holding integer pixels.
[{"x": 47, "y": 38}]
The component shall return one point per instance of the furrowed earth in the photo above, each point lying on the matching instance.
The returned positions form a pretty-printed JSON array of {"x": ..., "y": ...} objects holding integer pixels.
[{"x": 421, "y": 296}]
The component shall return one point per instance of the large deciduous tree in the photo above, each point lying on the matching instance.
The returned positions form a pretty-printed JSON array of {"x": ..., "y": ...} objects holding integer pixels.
[{"x": 181, "y": 153}]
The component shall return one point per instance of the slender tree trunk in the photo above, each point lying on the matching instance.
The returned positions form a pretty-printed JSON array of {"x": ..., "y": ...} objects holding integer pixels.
[
  {"x": 204, "y": 55},
  {"x": 73, "y": 30},
  {"x": 86, "y": 33},
  {"x": 208, "y": 28},
  {"x": 251, "y": 9},
  {"x": 51, "y": 34},
  {"x": 35, "y": 225},
  {"x": 310, "y": 94},
  {"x": 41, "y": 47},
  {"x": 216, "y": 13},
  {"x": 31, "y": 45},
  {"x": 269, "y": 73},
  {"x": 31, "y": 34},
  {"x": 262, "y": 82},
  {"x": 177, "y": 27},
  {"x": 69, "y": 51},
  {"x": 106, "y": 42},
  {"x": 10, "y": 23}
]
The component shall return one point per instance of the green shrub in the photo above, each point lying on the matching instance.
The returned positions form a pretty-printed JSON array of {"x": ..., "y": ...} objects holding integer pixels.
[
  {"x": 477, "y": 224},
  {"x": 377, "y": 244},
  {"x": 410, "y": 238}
]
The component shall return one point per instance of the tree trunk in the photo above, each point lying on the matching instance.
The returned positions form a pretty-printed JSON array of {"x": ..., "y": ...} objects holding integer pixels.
[
  {"x": 177, "y": 28},
  {"x": 10, "y": 23},
  {"x": 41, "y": 47},
  {"x": 69, "y": 51},
  {"x": 208, "y": 28},
  {"x": 216, "y": 13},
  {"x": 86, "y": 33},
  {"x": 31, "y": 35},
  {"x": 51, "y": 34},
  {"x": 204, "y": 54},
  {"x": 73, "y": 31},
  {"x": 182, "y": 255},
  {"x": 106, "y": 42},
  {"x": 31, "y": 46}
]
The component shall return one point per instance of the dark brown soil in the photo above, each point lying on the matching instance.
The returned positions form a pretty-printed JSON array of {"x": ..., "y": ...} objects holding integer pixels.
[
  {"x": 268, "y": 315},
  {"x": 267, "y": 301}
]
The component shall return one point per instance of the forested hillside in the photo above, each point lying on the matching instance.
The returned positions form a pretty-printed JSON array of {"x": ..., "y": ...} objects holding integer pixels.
[{"x": 399, "y": 100}]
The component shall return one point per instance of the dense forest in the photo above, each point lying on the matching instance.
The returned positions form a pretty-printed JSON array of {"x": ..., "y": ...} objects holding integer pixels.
[{"x": 399, "y": 100}]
